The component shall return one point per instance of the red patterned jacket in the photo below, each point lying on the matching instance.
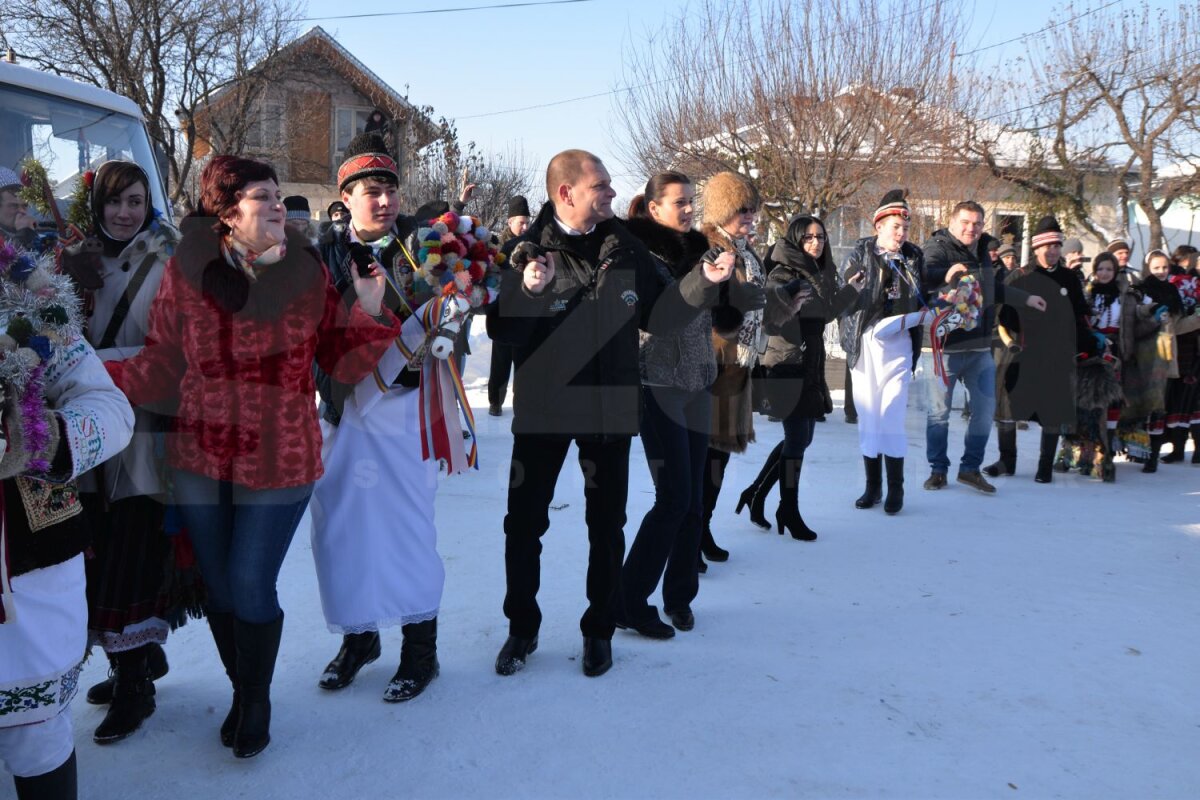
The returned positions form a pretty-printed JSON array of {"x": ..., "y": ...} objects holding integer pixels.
[{"x": 237, "y": 356}]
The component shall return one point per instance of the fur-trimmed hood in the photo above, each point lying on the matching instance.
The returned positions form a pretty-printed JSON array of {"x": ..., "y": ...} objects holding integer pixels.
[{"x": 679, "y": 251}]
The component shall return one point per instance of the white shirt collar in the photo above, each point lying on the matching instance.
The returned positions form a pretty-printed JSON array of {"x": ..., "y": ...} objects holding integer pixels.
[{"x": 568, "y": 230}]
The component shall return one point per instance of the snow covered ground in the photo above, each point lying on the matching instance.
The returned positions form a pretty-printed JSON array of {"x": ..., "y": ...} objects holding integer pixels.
[{"x": 1038, "y": 643}]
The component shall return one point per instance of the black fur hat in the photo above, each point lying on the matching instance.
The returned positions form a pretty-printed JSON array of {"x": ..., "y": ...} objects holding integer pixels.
[{"x": 518, "y": 206}]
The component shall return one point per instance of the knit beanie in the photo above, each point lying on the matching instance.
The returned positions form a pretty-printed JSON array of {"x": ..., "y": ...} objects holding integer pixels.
[
  {"x": 367, "y": 156},
  {"x": 1047, "y": 232},
  {"x": 893, "y": 203},
  {"x": 297, "y": 207},
  {"x": 725, "y": 195},
  {"x": 1118, "y": 243}
]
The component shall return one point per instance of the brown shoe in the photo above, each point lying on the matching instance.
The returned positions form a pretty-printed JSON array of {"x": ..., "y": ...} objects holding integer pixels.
[
  {"x": 976, "y": 481},
  {"x": 936, "y": 480}
]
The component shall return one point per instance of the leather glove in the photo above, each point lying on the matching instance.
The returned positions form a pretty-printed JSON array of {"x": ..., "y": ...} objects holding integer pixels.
[{"x": 746, "y": 297}]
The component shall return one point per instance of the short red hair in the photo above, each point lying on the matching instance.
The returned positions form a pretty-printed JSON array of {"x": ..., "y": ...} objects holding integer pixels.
[{"x": 223, "y": 177}]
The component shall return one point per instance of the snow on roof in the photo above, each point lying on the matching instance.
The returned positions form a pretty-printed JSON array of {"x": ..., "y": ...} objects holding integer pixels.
[{"x": 58, "y": 86}]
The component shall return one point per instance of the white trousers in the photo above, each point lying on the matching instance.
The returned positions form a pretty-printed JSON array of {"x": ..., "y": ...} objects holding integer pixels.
[{"x": 31, "y": 750}]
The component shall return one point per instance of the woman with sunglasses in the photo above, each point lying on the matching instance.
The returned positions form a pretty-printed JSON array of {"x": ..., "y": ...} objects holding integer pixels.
[{"x": 804, "y": 294}]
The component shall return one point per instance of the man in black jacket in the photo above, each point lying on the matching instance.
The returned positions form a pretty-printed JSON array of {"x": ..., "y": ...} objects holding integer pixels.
[
  {"x": 572, "y": 316},
  {"x": 950, "y": 254}
]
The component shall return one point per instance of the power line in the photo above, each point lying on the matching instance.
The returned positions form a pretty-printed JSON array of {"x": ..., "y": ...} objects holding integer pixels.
[
  {"x": 623, "y": 89},
  {"x": 444, "y": 10},
  {"x": 1049, "y": 27}
]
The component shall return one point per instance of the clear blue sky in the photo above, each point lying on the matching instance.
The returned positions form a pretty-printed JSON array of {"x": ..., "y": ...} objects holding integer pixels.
[{"x": 474, "y": 62}]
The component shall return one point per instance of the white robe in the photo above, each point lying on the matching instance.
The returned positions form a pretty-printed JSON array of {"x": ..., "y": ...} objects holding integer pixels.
[
  {"x": 880, "y": 381},
  {"x": 374, "y": 540}
]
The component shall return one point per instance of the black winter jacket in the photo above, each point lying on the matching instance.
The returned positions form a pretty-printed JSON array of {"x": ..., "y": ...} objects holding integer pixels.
[
  {"x": 872, "y": 304},
  {"x": 943, "y": 251},
  {"x": 575, "y": 346}
]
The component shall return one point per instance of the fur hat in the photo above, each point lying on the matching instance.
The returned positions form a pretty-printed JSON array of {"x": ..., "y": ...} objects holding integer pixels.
[
  {"x": 518, "y": 206},
  {"x": 1047, "y": 232},
  {"x": 367, "y": 156},
  {"x": 893, "y": 203},
  {"x": 1118, "y": 243},
  {"x": 725, "y": 195}
]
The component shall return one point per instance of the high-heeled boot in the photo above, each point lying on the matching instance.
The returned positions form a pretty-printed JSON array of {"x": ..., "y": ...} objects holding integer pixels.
[
  {"x": 1045, "y": 468},
  {"x": 221, "y": 625},
  {"x": 257, "y": 649},
  {"x": 788, "y": 518},
  {"x": 709, "y": 547},
  {"x": 874, "y": 491},
  {"x": 755, "y": 495},
  {"x": 895, "y": 483}
]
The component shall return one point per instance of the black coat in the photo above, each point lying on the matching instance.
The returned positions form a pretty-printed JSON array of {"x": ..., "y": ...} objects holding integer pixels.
[
  {"x": 795, "y": 357},
  {"x": 943, "y": 251},
  {"x": 575, "y": 345},
  {"x": 872, "y": 304}
]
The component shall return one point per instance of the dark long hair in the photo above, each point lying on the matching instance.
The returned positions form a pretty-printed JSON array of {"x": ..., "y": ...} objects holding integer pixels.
[
  {"x": 112, "y": 178},
  {"x": 656, "y": 187}
]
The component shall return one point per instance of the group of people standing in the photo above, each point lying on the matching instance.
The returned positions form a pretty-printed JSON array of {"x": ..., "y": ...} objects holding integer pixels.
[{"x": 205, "y": 347}]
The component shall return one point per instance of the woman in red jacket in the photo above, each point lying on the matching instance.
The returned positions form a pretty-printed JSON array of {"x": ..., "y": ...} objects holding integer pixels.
[{"x": 242, "y": 312}]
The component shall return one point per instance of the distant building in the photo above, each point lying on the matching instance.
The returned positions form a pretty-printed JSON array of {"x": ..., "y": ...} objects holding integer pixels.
[{"x": 318, "y": 96}]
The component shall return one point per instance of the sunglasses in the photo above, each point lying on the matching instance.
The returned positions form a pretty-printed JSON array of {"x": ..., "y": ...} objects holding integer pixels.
[
  {"x": 814, "y": 237},
  {"x": 744, "y": 210}
]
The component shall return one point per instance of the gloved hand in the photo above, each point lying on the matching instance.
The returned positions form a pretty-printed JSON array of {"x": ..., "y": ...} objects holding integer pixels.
[
  {"x": 363, "y": 257},
  {"x": 746, "y": 297},
  {"x": 1160, "y": 313}
]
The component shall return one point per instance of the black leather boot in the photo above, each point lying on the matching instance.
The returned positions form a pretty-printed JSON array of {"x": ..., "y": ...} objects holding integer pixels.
[
  {"x": 513, "y": 653},
  {"x": 133, "y": 697},
  {"x": 710, "y": 549},
  {"x": 1045, "y": 468},
  {"x": 895, "y": 485},
  {"x": 221, "y": 626},
  {"x": 357, "y": 650},
  {"x": 101, "y": 693},
  {"x": 1177, "y": 438},
  {"x": 1156, "y": 443},
  {"x": 1195, "y": 444},
  {"x": 1006, "y": 437},
  {"x": 257, "y": 649},
  {"x": 60, "y": 783},
  {"x": 874, "y": 492},
  {"x": 418, "y": 662},
  {"x": 788, "y": 518},
  {"x": 755, "y": 495}
]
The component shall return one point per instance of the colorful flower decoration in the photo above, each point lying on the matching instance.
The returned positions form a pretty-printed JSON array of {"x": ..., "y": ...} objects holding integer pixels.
[{"x": 456, "y": 256}]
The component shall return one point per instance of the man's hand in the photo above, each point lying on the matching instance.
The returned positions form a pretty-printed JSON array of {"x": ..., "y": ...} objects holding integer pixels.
[
  {"x": 468, "y": 190},
  {"x": 369, "y": 284},
  {"x": 1036, "y": 303},
  {"x": 538, "y": 273},
  {"x": 955, "y": 272},
  {"x": 719, "y": 269}
]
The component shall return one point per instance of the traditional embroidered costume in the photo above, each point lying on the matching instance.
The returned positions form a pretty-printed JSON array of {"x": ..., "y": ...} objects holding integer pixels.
[{"x": 61, "y": 416}]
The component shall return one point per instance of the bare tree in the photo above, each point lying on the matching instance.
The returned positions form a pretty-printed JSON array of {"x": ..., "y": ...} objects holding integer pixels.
[
  {"x": 446, "y": 166},
  {"x": 1114, "y": 92},
  {"x": 168, "y": 56},
  {"x": 819, "y": 100}
]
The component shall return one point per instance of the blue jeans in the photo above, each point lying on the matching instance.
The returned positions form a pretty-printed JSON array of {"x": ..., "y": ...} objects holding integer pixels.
[
  {"x": 674, "y": 432},
  {"x": 240, "y": 536},
  {"x": 977, "y": 371}
]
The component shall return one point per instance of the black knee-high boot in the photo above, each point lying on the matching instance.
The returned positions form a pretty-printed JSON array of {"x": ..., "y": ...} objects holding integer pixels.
[
  {"x": 1196, "y": 444},
  {"x": 257, "y": 649},
  {"x": 1177, "y": 438},
  {"x": 1156, "y": 443},
  {"x": 895, "y": 484},
  {"x": 755, "y": 495},
  {"x": 221, "y": 626},
  {"x": 1006, "y": 437},
  {"x": 1108, "y": 470},
  {"x": 60, "y": 783},
  {"x": 1045, "y": 468},
  {"x": 418, "y": 662},
  {"x": 874, "y": 490},
  {"x": 788, "y": 518}
]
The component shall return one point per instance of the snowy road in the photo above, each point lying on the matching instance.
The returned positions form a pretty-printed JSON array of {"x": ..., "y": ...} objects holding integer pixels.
[{"x": 1038, "y": 643}]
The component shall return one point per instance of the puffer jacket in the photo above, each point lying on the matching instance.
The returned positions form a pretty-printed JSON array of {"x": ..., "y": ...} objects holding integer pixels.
[
  {"x": 869, "y": 306},
  {"x": 575, "y": 345}
]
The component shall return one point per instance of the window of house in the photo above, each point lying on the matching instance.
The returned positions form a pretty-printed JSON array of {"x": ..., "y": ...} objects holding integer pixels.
[
  {"x": 267, "y": 132},
  {"x": 349, "y": 123}
]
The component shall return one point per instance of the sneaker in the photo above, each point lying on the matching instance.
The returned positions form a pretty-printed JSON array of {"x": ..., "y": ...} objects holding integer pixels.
[
  {"x": 936, "y": 480},
  {"x": 976, "y": 481}
]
